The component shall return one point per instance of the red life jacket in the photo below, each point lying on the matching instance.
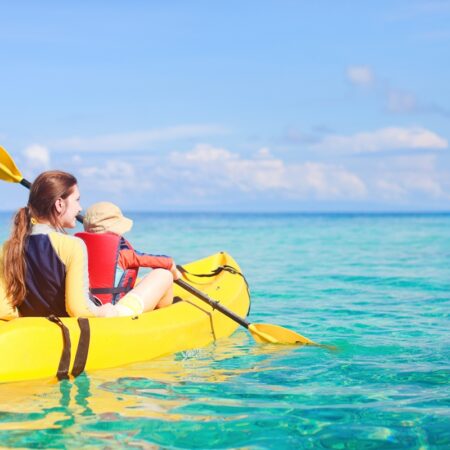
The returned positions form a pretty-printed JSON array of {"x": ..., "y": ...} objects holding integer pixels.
[{"x": 103, "y": 257}]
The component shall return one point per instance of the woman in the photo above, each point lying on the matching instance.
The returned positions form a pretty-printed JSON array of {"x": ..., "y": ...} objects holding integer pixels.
[{"x": 45, "y": 270}]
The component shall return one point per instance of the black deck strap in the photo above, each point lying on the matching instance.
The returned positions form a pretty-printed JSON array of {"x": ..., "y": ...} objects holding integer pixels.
[
  {"x": 64, "y": 362},
  {"x": 83, "y": 347},
  {"x": 215, "y": 272},
  {"x": 211, "y": 274},
  {"x": 232, "y": 270},
  {"x": 209, "y": 314}
]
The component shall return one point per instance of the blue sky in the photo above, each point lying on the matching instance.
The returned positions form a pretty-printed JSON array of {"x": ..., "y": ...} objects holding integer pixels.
[{"x": 231, "y": 106}]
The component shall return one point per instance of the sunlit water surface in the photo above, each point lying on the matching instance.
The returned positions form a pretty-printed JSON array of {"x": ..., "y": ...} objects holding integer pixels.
[{"x": 375, "y": 286}]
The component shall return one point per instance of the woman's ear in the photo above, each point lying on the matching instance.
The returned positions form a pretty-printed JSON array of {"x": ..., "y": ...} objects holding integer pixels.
[{"x": 59, "y": 205}]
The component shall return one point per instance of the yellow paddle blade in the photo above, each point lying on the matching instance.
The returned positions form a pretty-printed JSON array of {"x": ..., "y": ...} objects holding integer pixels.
[
  {"x": 8, "y": 169},
  {"x": 260, "y": 336},
  {"x": 266, "y": 332}
]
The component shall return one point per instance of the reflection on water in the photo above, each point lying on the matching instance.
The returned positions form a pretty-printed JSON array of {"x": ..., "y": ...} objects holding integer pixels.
[
  {"x": 236, "y": 394},
  {"x": 178, "y": 388}
]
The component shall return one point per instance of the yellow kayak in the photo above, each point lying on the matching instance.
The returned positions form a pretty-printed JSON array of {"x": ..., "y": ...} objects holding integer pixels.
[{"x": 35, "y": 347}]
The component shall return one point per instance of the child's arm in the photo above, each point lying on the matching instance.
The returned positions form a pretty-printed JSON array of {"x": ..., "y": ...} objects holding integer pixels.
[{"x": 132, "y": 259}]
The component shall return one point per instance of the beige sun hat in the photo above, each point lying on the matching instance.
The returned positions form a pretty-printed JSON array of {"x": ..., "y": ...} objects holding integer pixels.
[{"x": 105, "y": 216}]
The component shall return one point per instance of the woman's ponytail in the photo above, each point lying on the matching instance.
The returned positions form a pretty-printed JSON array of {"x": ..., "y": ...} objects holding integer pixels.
[{"x": 14, "y": 264}]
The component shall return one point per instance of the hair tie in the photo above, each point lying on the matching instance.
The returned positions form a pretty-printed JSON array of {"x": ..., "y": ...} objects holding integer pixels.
[{"x": 33, "y": 221}]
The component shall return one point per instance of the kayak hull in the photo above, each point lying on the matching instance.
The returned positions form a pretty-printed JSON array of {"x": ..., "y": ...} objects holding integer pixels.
[{"x": 31, "y": 347}]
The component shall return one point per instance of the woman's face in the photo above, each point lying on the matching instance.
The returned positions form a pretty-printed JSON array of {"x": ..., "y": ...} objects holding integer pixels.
[{"x": 68, "y": 209}]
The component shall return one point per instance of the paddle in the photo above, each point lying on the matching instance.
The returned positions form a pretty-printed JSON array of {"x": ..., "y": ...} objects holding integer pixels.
[
  {"x": 263, "y": 332},
  {"x": 9, "y": 171}
]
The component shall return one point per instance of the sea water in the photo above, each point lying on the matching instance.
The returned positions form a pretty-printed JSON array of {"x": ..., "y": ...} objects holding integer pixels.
[{"x": 376, "y": 286}]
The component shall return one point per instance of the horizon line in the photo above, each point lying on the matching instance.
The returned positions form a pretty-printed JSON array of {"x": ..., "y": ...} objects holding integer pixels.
[{"x": 266, "y": 212}]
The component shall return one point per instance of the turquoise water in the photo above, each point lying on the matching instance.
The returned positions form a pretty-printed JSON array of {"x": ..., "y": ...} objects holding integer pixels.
[{"x": 376, "y": 286}]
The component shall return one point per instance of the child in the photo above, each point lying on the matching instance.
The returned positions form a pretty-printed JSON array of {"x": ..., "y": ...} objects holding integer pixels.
[{"x": 114, "y": 264}]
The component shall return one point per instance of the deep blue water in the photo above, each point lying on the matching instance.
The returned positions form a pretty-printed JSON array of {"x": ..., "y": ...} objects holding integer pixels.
[{"x": 377, "y": 286}]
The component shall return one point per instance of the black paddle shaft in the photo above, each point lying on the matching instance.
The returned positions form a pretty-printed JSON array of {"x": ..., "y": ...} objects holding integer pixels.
[
  {"x": 25, "y": 183},
  {"x": 215, "y": 304}
]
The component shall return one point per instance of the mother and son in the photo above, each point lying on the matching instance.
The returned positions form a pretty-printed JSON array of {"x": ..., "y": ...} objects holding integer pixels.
[{"x": 45, "y": 271}]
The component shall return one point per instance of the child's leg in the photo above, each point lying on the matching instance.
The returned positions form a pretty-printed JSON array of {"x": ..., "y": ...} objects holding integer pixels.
[
  {"x": 155, "y": 289},
  {"x": 167, "y": 298}
]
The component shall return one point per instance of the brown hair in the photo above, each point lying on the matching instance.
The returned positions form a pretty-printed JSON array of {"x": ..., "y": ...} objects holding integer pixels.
[{"x": 46, "y": 189}]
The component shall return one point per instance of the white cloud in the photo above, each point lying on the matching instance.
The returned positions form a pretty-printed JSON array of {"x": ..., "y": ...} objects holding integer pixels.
[
  {"x": 418, "y": 183},
  {"x": 114, "y": 176},
  {"x": 395, "y": 186},
  {"x": 263, "y": 153},
  {"x": 384, "y": 139},
  {"x": 37, "y": 157},
  {"x": 360, "y": 75},
  {"x": 395, "y": 100},
  {"x": 332, "y": 181},
  {"x": 413, "y": 163},
  {"x": 401, "y": 177},
  {"x": 227, "y": 170},
  {"x": 209, "y": 175},
  {"x": 136, "y": 140},
  {"x": 390, "y": 189},
  {"x": 400, "y": 101},
  {"x": 203, "y": 153}
]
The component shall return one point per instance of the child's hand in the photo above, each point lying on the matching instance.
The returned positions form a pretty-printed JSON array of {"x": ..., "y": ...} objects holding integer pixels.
[{"x": 175, "y": 272}]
